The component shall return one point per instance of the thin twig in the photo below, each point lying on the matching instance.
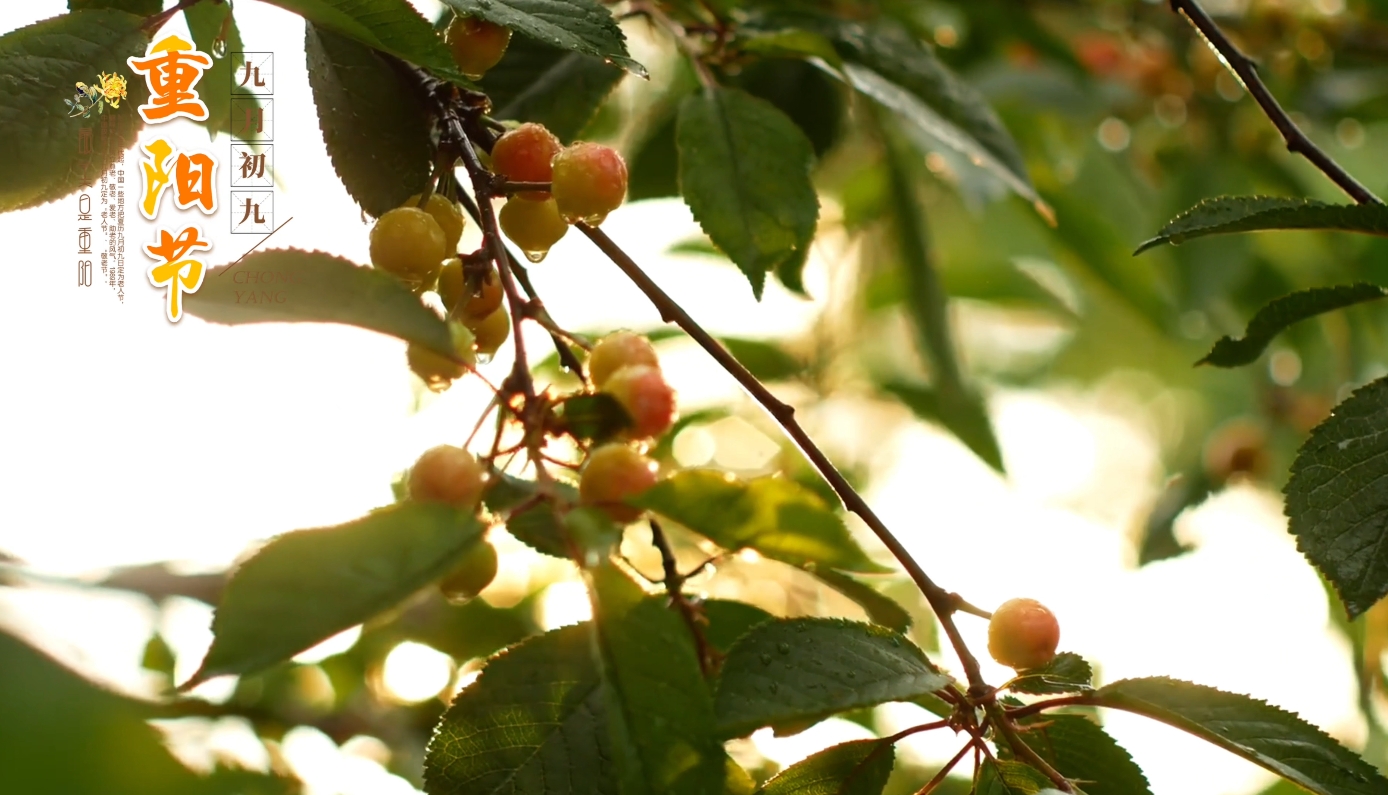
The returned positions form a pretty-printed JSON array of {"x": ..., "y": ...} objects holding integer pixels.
[
  {"x": 156, "y": 21},
  {"x": 941, "y": 601},
  {"x": 1246, "y": 70},
  {"x": 1041, "y": 706},
  {"x": 674, "y": 586},
  {"x": 944, "y": 771},
  {"x": 1004, "y": 726}
]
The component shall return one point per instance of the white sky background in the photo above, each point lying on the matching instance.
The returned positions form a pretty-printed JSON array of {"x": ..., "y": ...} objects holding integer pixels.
[{"x": 127, "y": 439}]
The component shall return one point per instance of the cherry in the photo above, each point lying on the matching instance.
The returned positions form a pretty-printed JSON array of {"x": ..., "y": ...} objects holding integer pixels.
[
  {"x": 477, "y": 44},
  {"x": 535, "y": 226},
  {"x": 1023, "y": 634},
  {"x": 589, "y": 181},
  {"x": 525, "y": 154},
  {"x": 438, "y": 372},
  {"x": 612, "y": 473},
  {"x": 471, "y": 575},
  {"x": 492, "y": 331},
  {"x": 642, "y": 391},
  {"x": 446, "y": 214},
  {"x": 474, "y": 306},
  {"x": 617, "y": 350},
  {"x": 448, "y": 474},
  {"x": 408, "y": 243}
]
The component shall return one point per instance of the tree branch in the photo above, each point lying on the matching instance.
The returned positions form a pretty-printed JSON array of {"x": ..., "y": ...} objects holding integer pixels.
[
  {"x": 1246, "y": 70},
  {"x": 942, "y": 602},
  {"x": 674, "y": 586}
]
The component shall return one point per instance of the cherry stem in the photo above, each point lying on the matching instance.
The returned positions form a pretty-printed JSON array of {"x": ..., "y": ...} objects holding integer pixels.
[
  {"x": 1246, "y": 70},
  {"x": 1041, "y": 706},
  {"x": 507, "y": 187},
  {"x": 942, "y": 602},
  {"x": 674, "y": 585},
  {"x": 944, "y": 771}
]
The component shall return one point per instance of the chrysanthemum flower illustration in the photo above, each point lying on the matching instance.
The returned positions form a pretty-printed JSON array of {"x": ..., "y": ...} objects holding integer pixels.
[{"x": 112, "y": 88}]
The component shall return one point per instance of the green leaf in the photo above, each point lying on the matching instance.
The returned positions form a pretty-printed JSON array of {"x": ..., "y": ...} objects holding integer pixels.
[
  {"x": 40, "y": 65},
  {"x": 582, "y": 26},
  {"x": 297, "y": 286},
  {"x": 860, "y": 767},
  {"x": 792, "y": 42},
  {"x": 1083, "y": 752},
  {"x": 533, "y": 722},
  {"x": 1272, "y": 319},
  {"x": 561, "y": 90},
  {"x": 372, "y": 122},
  {"x": 531, "y": 520},
  {"x": 597, "y": 418},
  {"x": 1067, "y": 672},
  {"x": 967, "y": 418},
  {"x": 745, "y": 172},
  {"x": 391, "y": 26},
  {"x": 765, "y": 360},
  {"x": 661, "y": 711},
  {"x": 1337, "y": 509},
  {"x": 1229, "y": 214},
  {"x": 654, "y": 168},
  {"x": 777, "y": 517},
  {"x": 308, "y": 585},
  {"x": 1255, "y": 730},
  {"x": 1011, "y": 778},
  {"x": 729, "y": 620},
  {"x": 902, "y": 73},
  {"x": 205, "y": 22},
  {"x": 793, "y": 670},
  {"x": 142, "y": 7},
  {"x": 881, "y": 608}
]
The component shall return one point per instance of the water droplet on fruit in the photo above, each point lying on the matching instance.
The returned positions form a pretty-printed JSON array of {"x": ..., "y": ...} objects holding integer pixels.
[
  {"x": 766, "y": 659},
  {"x": 536, "y": 256},
  {"x": 783, "y": 648}
]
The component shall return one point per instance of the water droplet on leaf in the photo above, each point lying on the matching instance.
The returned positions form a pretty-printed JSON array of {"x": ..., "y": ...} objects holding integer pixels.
[
  {"x": 766, "y": 659},
  {"x": 783, "y": 648}
]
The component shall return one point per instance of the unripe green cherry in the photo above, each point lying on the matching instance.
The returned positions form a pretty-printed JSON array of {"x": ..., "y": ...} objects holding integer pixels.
[
  {"x": 526, "y": 154},
  {"x": 535, "y": 226},
  {"x": 473, "y": 573},
  {"x": 492, "y": 331},
  {"x": 408, "y": 243},
  {"x": 438, "y": 372},
  {"x": 446, "y": 214},
  {"x": 617, "y": 350},
  {"x": 1023, "y": 634},
  {"x": 477, "y": 44},
  {"x": 588, "y": 182},
  {"x": 612, "y": 473},
  {"x": 450, "y": 475},
  {"x": 642, "y": 391}
]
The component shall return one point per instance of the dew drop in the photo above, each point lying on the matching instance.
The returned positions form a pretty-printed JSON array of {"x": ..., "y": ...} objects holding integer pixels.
[
  {"x": 774, "y": 688},
  {"x": 219, "y": 48},
  {"x": 766, "y": 659},
  {"x": 536, "y": 256},
  {"x": 783, "y": 648},
  {"x": 591, "y": 558},
  {"x": 852, "y": 674},
  {"x": 896, "y": 641}
]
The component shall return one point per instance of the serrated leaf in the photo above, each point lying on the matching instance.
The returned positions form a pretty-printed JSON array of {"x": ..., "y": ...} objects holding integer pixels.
[
  {"x": 744, "y": 170},
  {"x": 308, "y": 585},
  {"x": 1277, "y": 315},
  {"x": 313, "y": 287},
  {"x": 1083, "y": 752},
  {"x": 967, "y": 418},
  {"x": 729, "y": 620},
  {"x": 375, "y": 129},
  {"x": 901, "y": 73},
  {"x": 881, "y": 608},
  {"x": 391, "y": 26},
  {"x": 1067, "y": 672},
  {"x": 205, "y": 22},
  {"x": 779, "y": 518},
  {"x": 860, "y": 767},
  {"x": 795, "y": 670},
  {"x": 1004, "y": 777},
  {"x": 661, "y": 711},
  {"x": 560, "y": 89},
  {"x": 1255, "y": 730},
  {"x": 1229, "y": 214},
  {"x": 581, "y": 26},
  {"x": 597, "y": 417},
  {"x": 39, "y": 65},
  {"x": 141, "y": 7},
  {"x": 1337, "y": 509},
  {"x": 531, "y": 520},
  {"x": 534, "y": 722}
]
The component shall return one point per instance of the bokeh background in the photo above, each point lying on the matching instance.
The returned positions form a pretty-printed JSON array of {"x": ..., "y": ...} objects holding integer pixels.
[{"x": 1141, "y": 495}]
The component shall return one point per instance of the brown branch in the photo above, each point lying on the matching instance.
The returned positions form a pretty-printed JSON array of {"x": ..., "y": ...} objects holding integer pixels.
[
  {"x": 1023, "y": 751},
  {"x": 942, "y": 602},
  {"x": 1246, "y": 70},
  {"x": 944, "y": 771},
  {"x": 674, "y": 586}
]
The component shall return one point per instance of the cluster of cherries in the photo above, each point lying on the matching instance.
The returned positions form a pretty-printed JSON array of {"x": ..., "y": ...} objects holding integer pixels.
[{"x": 417, "y": 243}]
